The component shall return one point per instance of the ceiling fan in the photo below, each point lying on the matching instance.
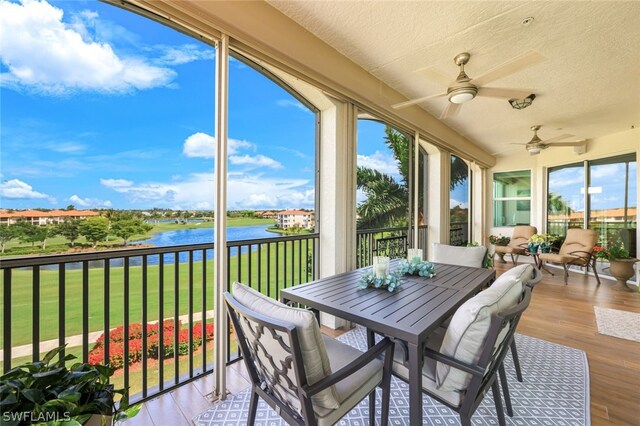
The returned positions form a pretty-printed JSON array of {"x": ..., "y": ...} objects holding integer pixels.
[
  {"x": 535, "y": 145},
  {"x": 464, "y": 88}
]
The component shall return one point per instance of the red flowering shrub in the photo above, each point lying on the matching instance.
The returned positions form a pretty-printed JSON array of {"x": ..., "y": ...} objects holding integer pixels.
[{"x": 116, "y": 342}]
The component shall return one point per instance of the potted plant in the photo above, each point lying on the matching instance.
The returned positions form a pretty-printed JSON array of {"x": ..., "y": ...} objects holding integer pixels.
[
  {"x": 499, "y": 240},
  {"x": 535, "y": 241},
  {"x": 48, "y": 392},
  {"x": 621, "y": 263}
]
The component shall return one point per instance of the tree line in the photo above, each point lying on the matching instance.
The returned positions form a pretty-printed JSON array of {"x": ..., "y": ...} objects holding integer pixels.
[{"x": 94, "y": 229}]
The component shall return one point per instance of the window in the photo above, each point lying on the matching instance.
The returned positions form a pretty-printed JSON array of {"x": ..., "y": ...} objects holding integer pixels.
[
  {"x": 609, "y": 203},
  {"x": 512, "y": 198},
  {"x": 459, "y": 202}
]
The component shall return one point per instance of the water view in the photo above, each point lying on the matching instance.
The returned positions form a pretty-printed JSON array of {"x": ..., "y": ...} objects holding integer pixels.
[{"x": 185, "y": 237}]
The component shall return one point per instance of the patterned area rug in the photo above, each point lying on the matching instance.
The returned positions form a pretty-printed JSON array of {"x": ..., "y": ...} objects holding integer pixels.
[
  {"x": 555, "y": 392},
  {"x": 617, "y": 323}
]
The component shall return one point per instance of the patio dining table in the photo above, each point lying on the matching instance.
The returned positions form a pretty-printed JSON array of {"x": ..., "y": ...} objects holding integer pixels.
[{"x": 410, "y": 314}]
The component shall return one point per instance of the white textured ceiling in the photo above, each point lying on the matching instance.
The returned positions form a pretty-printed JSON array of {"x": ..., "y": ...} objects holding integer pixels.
[{"x": 588, "y": 86}]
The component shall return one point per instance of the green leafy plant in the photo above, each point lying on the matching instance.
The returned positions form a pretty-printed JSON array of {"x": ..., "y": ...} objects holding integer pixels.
[
  {"x": 538, "y": 238},
  {"x": 616, "y": 251},
  {"x": 499, "y": 240},
  {"x": 48, "y": 392}
]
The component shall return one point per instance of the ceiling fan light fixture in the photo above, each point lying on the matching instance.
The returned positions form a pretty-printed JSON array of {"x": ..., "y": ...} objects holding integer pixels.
[
  {"x": 522, "y": 103},
  {"x": 462, "y": 94},
  {"x": 533, "y": 150}
]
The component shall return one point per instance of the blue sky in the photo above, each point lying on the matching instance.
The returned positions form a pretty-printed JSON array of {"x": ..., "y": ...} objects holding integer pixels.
[{"x": 101, "y": 108}]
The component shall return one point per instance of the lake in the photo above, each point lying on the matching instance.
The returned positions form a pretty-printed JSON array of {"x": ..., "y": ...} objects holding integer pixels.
[{"x": 184, "y": 237}]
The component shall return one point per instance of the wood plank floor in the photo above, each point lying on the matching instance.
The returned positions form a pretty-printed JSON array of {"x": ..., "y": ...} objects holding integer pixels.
[{"x": 558, "y": 313}]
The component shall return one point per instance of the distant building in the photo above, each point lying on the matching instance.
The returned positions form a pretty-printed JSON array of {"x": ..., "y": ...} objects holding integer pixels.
[
  {"x": 36, "y": 217},
  {"x": 296, "y": 218},
  {"x": 266, "y": 214}
]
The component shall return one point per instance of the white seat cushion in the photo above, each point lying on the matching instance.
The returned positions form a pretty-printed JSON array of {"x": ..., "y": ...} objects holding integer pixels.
[
  {"x": 352, "y": 389},
  {"x": 467, "y": 332},
  {"x": 400, "y": 369},
  {"x": 462, "y": 256},
  {"x": 314, "y": 354}
]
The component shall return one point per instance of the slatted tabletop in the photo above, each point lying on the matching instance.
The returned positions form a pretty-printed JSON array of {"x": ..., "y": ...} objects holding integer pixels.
[{"x": 410, "y": 313}]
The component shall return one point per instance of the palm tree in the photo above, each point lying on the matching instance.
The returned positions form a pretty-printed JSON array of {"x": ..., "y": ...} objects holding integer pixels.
[{"x": 387, "y": 202}]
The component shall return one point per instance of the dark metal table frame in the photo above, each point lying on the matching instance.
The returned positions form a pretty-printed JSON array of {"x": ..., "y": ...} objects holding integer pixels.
[{"x": 410, "y": 314}]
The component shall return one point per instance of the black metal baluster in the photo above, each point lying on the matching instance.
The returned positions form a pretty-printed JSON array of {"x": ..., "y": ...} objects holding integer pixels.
[
  {"x": 239, "y": 257},
  {"x": 85, "y": 311},
  {"x": 284, "y": 266},
  {"x": 126, "y": 323},
  {"x": 161, "y": 322},
  {"x": 144, "y": 326},
  {"x": 35, "y": 315},
  {"x": 204, "y": 310},
  {"x": 61, "y": 308},
  {"x": 299, "y": 261},
  {"x": 277, "y": 263},
  {"x": 176, "y": 317},
  {"x": 249, "y": 261},
  {"x": 107, "y": 316},
  {"x": 269, "y": 281},
  {"x": 190, "y": 312},
  {"x": 260, "y": 267},
  {"x": 6, "y": 318}
]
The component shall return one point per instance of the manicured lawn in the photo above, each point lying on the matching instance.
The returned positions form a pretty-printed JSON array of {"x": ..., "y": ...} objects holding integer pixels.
[{"x": 296, "y": 271}]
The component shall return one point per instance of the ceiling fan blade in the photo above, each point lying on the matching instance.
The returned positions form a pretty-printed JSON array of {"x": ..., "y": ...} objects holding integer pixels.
[
  {"x": 498, "y": 92},
  {"x": 558, "y": 138},
  {"x": 509, "y": 67},
  {"x": 433, "y": 74},
  {"x": 577, "y": 143},
  {"x": 416, "y": 101},
  {"x": 451, "y": 110}
]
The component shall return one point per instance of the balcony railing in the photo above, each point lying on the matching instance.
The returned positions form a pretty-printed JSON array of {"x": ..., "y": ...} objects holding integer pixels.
[
  {"x": 149, "y": 310},
  {"x": 52, "y": 300}
]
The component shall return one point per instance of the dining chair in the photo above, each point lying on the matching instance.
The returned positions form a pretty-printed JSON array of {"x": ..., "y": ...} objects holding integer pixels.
[
  {"x": 577, "y": 249},
  {"x": 519, "y": 242},
  {"x": 462, "y": 363},
  {"x": 458, "y": 255},
  {"x": 306, "y": 377}
]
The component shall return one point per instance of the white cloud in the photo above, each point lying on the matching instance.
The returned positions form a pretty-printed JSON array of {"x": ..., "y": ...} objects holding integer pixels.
[
  {"x": 178, "y": 55},
  {"x": 196, "y": 191},
  {"x": 15, "y": 188},
  {"x": 89, "y": 202},
  {"x": 383, "y": 162},
  {"x": 202, "y": 145},
  {"x": 66, "y": 147},
  {"x": 116, "y": 183},
  {"x": 455, "y": 203},
  {"x": 47, "y": 55},
  {"x": 255, "y": 161},
  {"x": 292, "y": 103}
]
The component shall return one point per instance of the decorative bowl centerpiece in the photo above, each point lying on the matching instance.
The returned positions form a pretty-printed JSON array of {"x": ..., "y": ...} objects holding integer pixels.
[
  {"x": 414, "y": 265},
  {"x": 379, "y": 276}
]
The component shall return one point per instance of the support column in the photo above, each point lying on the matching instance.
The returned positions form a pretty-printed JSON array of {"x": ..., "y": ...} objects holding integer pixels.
[
  {"x": 337, "y": 194},
  {"x": 439, "y": 178},
  {"x": 478, "y": 205},
  {"x": 220, "y": 236}
]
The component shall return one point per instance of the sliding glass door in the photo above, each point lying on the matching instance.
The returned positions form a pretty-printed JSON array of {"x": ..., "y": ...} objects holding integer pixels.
[
  {"x": 612, "y": 200},
  {"x": 608, "y": 206}
]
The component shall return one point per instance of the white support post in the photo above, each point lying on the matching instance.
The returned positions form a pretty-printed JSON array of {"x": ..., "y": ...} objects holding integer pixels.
[
  {"x": 416, "y": 187},
  {"x": 220, "y": 237}
]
